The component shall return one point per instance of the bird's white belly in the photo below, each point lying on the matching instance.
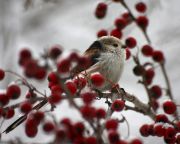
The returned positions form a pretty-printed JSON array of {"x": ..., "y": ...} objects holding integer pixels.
[{"x": 112, "y": 67}]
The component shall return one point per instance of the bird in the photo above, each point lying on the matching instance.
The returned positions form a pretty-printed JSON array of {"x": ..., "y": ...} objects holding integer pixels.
[{"x": 107, "y": 56}]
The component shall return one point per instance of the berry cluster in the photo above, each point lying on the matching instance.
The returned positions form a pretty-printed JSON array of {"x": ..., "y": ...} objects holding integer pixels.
[
  {"x": 162, "y": 127},
  {"x": 12, "y": 93}
]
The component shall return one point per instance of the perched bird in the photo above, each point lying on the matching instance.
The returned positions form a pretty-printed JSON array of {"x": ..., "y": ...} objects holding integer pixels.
[{"x": 107, "y": 56}]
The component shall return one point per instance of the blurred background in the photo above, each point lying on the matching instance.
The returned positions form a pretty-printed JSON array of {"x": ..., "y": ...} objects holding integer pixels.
[{"x": 39, "y": 24}]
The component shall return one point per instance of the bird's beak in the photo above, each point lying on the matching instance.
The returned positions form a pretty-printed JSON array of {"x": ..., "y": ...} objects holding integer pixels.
[
  {"x": 96, "y": 45},
  {"x": 124, "y": 46}
]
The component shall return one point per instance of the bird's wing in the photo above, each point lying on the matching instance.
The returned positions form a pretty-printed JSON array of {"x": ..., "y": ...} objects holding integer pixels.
[{"x": 93, "y": 53}]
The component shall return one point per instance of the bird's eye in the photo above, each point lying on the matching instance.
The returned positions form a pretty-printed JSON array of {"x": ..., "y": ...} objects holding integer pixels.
[{"x": 115, "y": 45}]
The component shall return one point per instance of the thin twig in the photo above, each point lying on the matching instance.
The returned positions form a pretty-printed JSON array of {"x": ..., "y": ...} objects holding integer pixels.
[
  {"x": 136, "y": 60},
  {"x": 169, "y": 92}
]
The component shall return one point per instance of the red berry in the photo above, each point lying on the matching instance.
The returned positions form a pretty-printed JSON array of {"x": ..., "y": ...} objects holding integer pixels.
[
  {"x": 159, "y": 130},
  {"x": 30, "y": 94},
  {"x": 40, "y": 73},
  {"x": 54, "y": 98},
  {"x": 9, "y": 113},
  {"x": 100, "y": 113},
  {"x": 128, "y": 54},
  {"x": 118, "y": 105},
  {"x": 4, "y": 99},
  {"x": 136, "y": 141},
  {"x": 2, "y": 74},
  {"x": 151, "y": 130},
  {"x": 149, "y": 73},
  {"x": 141, "y": 7},
  {"x": 31, "y": 132},
  {"x": 31, "y": 122},
  {"x": 156, "y": 91},
  {"x": 147, "y": 50},
  {"x": 74, "y": 56},
  {"x": 111, "y": 124},
  {"x": 116, "y": 33},
  {"x": 13, "y": 91},
  {"x": 56, "y": 89},
  {"x": 144, "y": 130},
  {"x": 158, "y": 56},
  {"x": 31, "y": 127},
  {"x": 53, "y": 77},
  {"x": 71, "y": 86},
  {"x": 113, "y": 137},
  {"x": 170, "y": 132},
  {"x": 88, "y": 97},
  {"x": 120, "y": 23},
  {"x": 169, "y": 107},
  {"x": 142, "y": 21},
  {"x": 55, "y": 51},
  {"x": 87, "y": 112},
  {"x": 80, "y": 82},
  {"x": 26, "y": 107},
  {"x": 60, "y": 135},
  {"x": 101, "y": 33},
  {"x": 30, "y": 68},
  {"x": 101, "y": 10},
  {"x": 91, "y": 140},
  {"x": 97, "y": 79},
  {"x": 126, "y": 16},
  {"x": 38, "y": 116},
  {"x": 25, "y": 54},
  {"x": 64, "y": 66},
  {"x": 131, "y": 42},
  {"x": 48, "y": 127},
  {"x": 66, "y": 122},
  {"x": 170, "y": 140},
  {"x": 161, "y": 118},
  {"x": 79, "y": 128}
]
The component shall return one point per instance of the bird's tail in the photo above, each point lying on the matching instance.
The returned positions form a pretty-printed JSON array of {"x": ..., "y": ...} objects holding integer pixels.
[{"x": 24, "y": 117}]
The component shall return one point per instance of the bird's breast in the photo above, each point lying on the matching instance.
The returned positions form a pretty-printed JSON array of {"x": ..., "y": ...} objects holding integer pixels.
[{"x": 112, "y": 66}]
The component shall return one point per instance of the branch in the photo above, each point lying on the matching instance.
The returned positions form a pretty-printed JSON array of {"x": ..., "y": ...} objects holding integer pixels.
[{"x": 139, "y": 106}]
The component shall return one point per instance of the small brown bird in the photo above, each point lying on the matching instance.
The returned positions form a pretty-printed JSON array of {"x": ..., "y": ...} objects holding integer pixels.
[{"x": 107, "y": 55}]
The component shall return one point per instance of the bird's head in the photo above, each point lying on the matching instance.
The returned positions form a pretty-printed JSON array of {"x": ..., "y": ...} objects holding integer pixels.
[{"x": 108, "y": 44}]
